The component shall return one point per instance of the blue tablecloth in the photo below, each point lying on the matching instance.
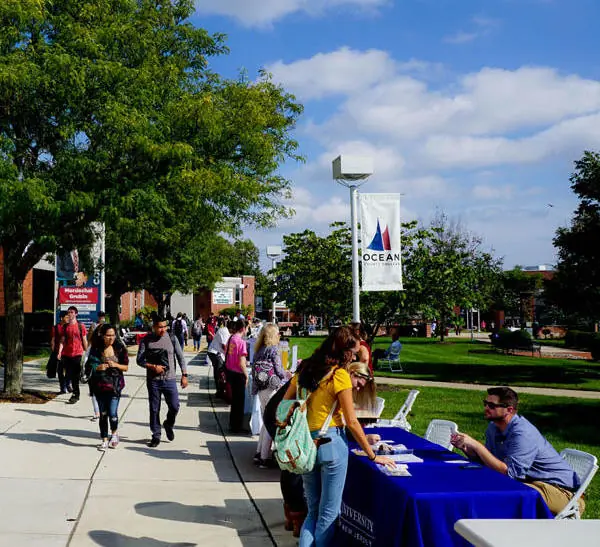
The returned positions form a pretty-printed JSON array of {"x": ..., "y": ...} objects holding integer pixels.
[{"x": 420, "y": 511}]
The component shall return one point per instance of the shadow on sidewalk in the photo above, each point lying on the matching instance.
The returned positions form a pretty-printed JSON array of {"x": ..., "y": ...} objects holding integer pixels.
[
  {"x": 169, "y": 454},
  {"x": 112, "y": 539},
  {"x": 45, "y": 438},
  {"x": 49, "y": 414},
  {"x": 236, "y": 515}
]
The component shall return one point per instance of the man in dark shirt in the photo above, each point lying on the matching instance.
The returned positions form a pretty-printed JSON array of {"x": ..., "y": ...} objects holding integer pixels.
[
  {"x": 157, "y": 354},
  {"x": 515, "y": 447}
]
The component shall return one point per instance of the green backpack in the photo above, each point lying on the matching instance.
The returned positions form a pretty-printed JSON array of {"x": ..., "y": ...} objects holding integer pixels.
[{"x": 295, "y": 449}]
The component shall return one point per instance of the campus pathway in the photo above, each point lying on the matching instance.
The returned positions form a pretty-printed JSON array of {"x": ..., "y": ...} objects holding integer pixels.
[
  {"x": 577, "y": 393},
  {"x": 201, "y": 489}
]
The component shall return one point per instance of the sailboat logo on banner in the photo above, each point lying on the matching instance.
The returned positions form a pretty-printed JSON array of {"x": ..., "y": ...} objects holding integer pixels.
[{"x": 381, "y": 241}]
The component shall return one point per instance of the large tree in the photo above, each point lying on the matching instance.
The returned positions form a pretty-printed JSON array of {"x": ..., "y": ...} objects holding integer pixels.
[
  {"x": 109, "y": 103},
  {"x": 449, "y": 269},
  {"x": 576, "y": 284},
  {"x": 315, "y": 274},
  {"x": 515, "y": 292}
]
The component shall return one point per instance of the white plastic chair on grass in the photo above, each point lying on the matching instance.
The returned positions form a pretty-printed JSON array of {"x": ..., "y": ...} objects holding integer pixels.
[
  {"x": 440, "y": 431},
  {"x": 400, "y": 419},
  {"x": 585, "y": 465}
]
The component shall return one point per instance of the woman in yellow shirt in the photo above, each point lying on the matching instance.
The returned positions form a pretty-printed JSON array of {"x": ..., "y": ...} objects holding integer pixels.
[{"x": 324, "y": 375}]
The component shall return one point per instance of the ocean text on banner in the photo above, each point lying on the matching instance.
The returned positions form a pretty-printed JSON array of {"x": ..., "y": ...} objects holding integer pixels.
[{"x": 380, "y": 242}]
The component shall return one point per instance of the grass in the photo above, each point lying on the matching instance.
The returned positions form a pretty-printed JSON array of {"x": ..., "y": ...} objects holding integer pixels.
[
  {"x": 565, "y": 422},
  {"x": 463, "y": 361},
  {"x": 35, "y": 353}
]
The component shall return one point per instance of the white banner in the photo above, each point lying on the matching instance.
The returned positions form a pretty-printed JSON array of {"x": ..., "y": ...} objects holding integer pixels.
[{"x": 380, "y": 242}]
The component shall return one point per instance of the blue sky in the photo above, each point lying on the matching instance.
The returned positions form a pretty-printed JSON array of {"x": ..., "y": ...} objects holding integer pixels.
[{"x": 477, "y": 108}]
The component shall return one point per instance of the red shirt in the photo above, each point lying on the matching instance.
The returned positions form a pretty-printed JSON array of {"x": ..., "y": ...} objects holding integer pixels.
[{"x": 73, "y": 345}]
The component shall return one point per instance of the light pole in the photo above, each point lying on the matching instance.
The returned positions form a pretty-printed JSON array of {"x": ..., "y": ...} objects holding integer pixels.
[
  {"x": 274, "y": 252},
  {"x": 352, "y": 172}
]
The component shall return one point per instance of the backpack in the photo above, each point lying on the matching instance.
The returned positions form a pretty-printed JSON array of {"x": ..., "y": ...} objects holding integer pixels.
[
  {"x": 296, "y": 449},
  {"x": 178, "y": 328},
  {"x": 263, "y": 374},
  {"x": 197, "y": 328}
]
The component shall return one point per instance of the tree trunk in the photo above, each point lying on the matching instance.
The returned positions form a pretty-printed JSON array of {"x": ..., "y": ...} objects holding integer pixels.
[
  {"x": 442, "y": 327},
  {"x": 15, "y": 322},
  {"x": 112, "y": 308}
]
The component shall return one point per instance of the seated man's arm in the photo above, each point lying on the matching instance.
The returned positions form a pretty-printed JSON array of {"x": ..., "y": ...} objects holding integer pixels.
[
  {"x": 521, "y": 451},
  {"x": 476, "y": 450}
]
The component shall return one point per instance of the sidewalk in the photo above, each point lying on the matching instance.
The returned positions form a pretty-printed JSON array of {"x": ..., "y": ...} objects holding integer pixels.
[{"x": 201, "y": 489}]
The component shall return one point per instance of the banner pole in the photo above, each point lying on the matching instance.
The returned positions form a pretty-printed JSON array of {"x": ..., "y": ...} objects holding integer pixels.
[{"x": 355, "y": 274}]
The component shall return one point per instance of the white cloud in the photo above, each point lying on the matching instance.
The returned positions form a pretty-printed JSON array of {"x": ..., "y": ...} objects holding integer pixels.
[
  {"x": 482, "y": 26},
  {"x": 486, "y": 191},
  {"x": 342, "y": 72},
  {"x": 264, "y": 12},
  {"x": 490, "y": 117}
]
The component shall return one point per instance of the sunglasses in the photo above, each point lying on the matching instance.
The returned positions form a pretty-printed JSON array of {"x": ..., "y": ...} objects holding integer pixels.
[
  {"x": 493, "y": 406},
  {"x": 363, "y": 376}
]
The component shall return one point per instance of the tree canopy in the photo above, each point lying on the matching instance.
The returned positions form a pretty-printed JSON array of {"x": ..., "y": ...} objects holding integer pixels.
[
  {"x": 109, "y": 111},
  {"x": 576, "y": 284}
]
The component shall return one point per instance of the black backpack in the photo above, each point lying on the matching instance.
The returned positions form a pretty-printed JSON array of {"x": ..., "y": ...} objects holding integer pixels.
[{"x": 178, "y": 328}]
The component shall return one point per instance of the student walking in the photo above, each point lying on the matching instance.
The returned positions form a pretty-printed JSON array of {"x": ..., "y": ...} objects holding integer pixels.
[
  {"x": 73, "y": 344},
  {"x": 197, "y": 328},
  {"x": 157, "y": 354},
  {"x": 107, "y": 361},
  {"x": 63, "y": 379}
]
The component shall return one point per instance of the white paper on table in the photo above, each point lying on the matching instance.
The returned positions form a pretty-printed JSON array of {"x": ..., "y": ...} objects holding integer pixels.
[
  {"x": 405, "y": 458},
  {"x": 456, "y": 461},
  {"x": 398, "y": 471}
]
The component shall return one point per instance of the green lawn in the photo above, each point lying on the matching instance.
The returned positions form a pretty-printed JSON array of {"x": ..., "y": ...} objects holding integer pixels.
[
  {"x": 475, "y": 362},
  {"x": 566, "y": 422}
]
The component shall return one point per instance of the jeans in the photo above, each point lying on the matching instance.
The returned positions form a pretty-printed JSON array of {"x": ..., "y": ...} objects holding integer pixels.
[
  {"x": 237, "y": 381},
  {"x": 63, "y": 378},
  {"x": 156, "y": 389},
  {"x": 181, "y": 340},
  {"x": 108, "y": 404},
  {"x": 197, "y": 342},
  {"x": 217, "y": 364},
  {"x": 73, "y": 367},
  {"x": 323, "y": 488}
]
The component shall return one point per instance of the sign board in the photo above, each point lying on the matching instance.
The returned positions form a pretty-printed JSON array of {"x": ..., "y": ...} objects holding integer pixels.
[
  {"x": 84, "y": 290},
  {"x": 380, "y": 236},
  {"x": 222, "y": 295}
]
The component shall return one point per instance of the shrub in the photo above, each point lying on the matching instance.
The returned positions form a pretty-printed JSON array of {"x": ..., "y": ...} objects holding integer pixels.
[
  {"x": 579, "y": 339},
  {"x": 520, "y": 338},
  {"x": 595, "y": 347}
]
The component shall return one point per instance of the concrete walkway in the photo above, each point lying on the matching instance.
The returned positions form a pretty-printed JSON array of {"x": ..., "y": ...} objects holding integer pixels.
[
  {"x": 57, "y": 489},
  {"x": 579, "y": 394}
]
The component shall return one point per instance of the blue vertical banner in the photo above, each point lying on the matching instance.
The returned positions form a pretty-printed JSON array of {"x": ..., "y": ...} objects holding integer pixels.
[{"x": 84, "y": 290}]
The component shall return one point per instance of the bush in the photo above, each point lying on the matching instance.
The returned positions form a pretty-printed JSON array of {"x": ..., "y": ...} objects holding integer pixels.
[
  {"x": 578, "y": 339},
  {"x": 520, "y": 338},
  {"x": 595, "y": 347}
]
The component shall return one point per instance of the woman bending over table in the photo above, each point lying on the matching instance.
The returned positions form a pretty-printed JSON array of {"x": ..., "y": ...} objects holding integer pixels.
[{"x": 325, "y": 376}]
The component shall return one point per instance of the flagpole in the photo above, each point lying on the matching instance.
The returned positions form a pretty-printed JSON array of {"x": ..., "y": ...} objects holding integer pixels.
[
  {"x": 352, "y": 172},
  {"x": 355, "y": 274}
]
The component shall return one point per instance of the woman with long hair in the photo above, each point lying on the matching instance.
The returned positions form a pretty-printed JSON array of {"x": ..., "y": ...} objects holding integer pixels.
[
  {"x": 267, "y": 377},
  {"x": 365, "y": 397},
  {"x": 107, "y": 361},
  {"x": 324, "y": 375}
]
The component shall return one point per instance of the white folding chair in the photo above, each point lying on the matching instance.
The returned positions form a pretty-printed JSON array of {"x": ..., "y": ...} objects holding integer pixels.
[
  {"x": 393, "y": 365},
  {"x": 585, "y": 465},
  {"x": 400, "y": 419},
  {"x": 439, "y": 432}
]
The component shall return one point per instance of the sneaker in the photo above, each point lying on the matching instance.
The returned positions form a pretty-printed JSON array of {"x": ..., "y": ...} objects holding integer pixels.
[
  {"x": 103, "y": 446},
  {"x": 114, "y": 441},
  {"x": 154, "y": 442},
  {"x": 74, "y": 399},
  {"x": 256, "y": 458},
  {"x": 70, "y": 389},
  {"x": 94, "y": 418},
  {"x": 262, "y": 464},
  {"x": 62, "y": 390},
  {"x": 169, "y": 431}
]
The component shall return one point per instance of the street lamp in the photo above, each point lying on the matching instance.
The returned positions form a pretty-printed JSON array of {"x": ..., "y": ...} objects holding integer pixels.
[
  {"x": 274, "y": 252},
  {"x": 352, "y": 172}
]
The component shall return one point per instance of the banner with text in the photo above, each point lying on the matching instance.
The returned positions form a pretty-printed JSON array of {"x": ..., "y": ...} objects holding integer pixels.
[{"x": 380, "y": 242}]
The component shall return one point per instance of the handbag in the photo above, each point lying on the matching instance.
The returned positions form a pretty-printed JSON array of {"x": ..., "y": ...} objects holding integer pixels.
[
  {"x": 52, "y": 366},
  {"x": 296, "y": 448}
]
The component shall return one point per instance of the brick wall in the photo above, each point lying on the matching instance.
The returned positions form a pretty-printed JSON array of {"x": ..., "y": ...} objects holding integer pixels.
[{"x": 27, "y": 289}]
